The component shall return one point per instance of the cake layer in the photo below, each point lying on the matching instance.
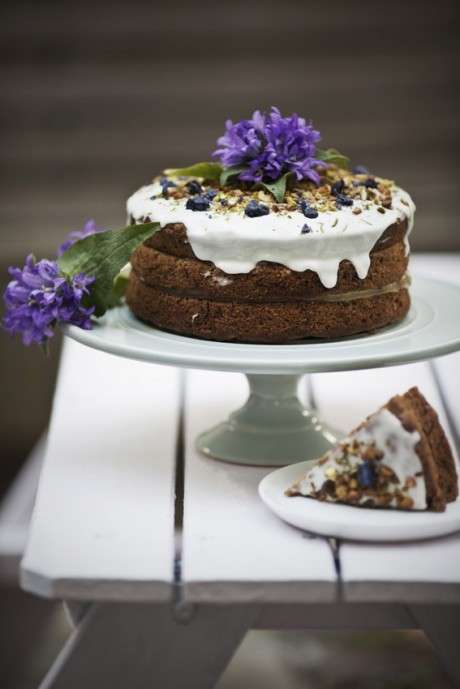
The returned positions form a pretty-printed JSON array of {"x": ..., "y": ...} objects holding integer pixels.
[
  {"x": 268, "y": 322},
  {"x": 172, "y": 239},
  {"x": 415, "y": 413},
  {"x": 268, "y": 282}
]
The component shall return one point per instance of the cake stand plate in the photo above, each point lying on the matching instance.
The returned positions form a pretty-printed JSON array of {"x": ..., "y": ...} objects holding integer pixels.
[
  {"x": 357, "y": 523},
  {"x": 273, "y": 428}
]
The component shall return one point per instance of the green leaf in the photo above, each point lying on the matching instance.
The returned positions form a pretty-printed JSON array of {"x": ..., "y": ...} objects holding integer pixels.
[
  {"x": 205, "y": 170},
  {"x": 228, "y": 172},
  {"x": 278, "y": 187},
  {"x": 332, "y": 155},
  {"x": 103, "y": 255}
]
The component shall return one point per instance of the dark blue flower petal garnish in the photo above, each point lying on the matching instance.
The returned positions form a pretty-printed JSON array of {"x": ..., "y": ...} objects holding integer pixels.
[
  {"x": 342, "y": 200},
  {"x": 370, "y": 183},
  {"x": 307, "y": 210},
  {"x": 254, "y": 209},
  {"x": 198, "y": 203},
  {"x": 367, "y": 474},
  {"x": 338, "y": 187},
  {"x": 165, "y": 185},
  {"x": 194, "y": 187}
]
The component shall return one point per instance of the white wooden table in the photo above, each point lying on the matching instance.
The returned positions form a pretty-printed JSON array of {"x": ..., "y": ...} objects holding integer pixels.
[{"x": 166, "y": 558}]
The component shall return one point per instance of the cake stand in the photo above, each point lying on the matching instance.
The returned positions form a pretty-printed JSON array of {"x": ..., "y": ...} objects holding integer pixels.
[{"x": 273, "y": 428}]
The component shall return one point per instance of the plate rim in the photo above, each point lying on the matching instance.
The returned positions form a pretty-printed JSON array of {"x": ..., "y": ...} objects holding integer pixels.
[{"x": 433, "y": 524}]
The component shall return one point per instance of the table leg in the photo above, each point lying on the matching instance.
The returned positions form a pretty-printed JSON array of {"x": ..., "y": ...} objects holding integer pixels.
[
  {"x": 75, "y": 611},
  {"x": 441, "y": 624},
  {"x": 120, "y": 645}
]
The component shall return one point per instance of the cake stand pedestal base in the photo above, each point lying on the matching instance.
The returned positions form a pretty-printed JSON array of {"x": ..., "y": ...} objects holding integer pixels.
[{"x": 273, "y": 428}]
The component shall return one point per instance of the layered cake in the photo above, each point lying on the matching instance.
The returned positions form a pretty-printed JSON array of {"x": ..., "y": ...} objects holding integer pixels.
[
  {"x": 321, "y": 251},
  {"x": 398, "y": 458}
]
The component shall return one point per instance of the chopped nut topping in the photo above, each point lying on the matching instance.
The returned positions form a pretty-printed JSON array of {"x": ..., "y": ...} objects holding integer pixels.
[
  {"x": 410, "y": 483},
  {"x": 371, "y": 453},
  {"x": 406, "y": 503},
  {"x": 341, "y": 492},
  {"x": 233, "y": 197}
]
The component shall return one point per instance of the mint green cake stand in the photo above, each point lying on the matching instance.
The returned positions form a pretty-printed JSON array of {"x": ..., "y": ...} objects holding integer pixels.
[{"x": 273, "y": 427}]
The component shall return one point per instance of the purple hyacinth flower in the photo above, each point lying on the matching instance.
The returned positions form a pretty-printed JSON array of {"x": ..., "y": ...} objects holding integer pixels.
[
  {"x": 269, "y": 145},
  {"x": 88, "y": 228},
  {"x": 39, "y": 297}
]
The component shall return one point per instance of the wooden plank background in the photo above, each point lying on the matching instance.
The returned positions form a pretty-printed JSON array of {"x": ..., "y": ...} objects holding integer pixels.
[{"x": 97, "y": 97}]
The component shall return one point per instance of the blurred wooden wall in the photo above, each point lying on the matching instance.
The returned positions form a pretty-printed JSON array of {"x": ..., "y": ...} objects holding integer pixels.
[{"x": 98, "y": 96}]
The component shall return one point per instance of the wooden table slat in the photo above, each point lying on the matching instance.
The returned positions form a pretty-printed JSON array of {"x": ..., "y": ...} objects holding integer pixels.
[
  {"x": 234, "y": 548},
  {"x": 103, "y": 520}
]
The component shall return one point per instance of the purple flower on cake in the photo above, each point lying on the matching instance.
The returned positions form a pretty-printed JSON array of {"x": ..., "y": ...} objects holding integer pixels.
[
  {"x": 88, "y": 228},
  {"x": 269, "y": 145},
  {"x": 39, "y": 297}
]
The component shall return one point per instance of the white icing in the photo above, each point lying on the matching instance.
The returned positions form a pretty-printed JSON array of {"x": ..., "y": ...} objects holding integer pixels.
[
  {"x": 397, "y": 446},
  {"x": 220, "y": 280},
  {"x": 125, "y": 272},
  {"x": 235, "y": 243}
]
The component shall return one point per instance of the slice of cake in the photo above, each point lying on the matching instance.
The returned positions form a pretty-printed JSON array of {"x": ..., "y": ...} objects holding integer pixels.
[
  {"x": 398, "y": 458},
  {"x": 273, "y": 245}
]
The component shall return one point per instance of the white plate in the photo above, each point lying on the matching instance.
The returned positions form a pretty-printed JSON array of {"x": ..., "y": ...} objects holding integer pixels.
[
  {"x": 356, "y": 523},
  {"x": 431, "y": 328}
]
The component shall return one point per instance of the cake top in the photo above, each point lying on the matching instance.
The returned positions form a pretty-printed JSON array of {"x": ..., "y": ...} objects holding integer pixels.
[
  {"x": 337, "y": 188},
  {"x": 274, "y": 195},
  {"x": 273, "y": 164}
]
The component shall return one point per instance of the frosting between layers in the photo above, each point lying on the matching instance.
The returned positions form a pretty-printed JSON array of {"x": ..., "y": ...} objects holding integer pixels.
[
  {"x": 354, "y": 295},
  {"x": 235, "y": 243},
  {"x": 386, "y": 432}
]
